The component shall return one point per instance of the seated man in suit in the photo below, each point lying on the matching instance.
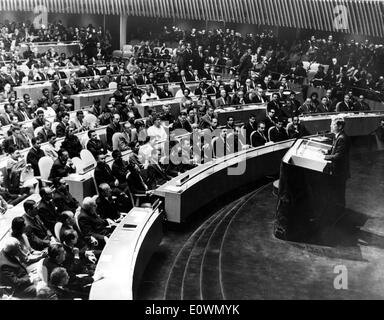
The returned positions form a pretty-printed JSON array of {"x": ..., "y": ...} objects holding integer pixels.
[
  {"x": 103, "y": 173},
  {"x": 94, "y": 145},
  {"x": 47, "y": 211},
  {"x": 206, "y": 120},
  {"x": 223, "y": 100},
  {"x": 250, "y": 127},
  {"x": 270, "y": 120},
  {"x": 45, "y": 130},
  {"x": 345, "y": 105},
  {"x": 62, "y": 166},
  {"x": 14, "y": 273},
  {"x": 107, "y": 207},
  {"x": 10, "y": 141},
  {"x": 296, "y": 129},
  {"x": 112, "y": 128},
  {"x": 121, "y": 168},
  {"x": 39, "y": 120},
  {"x": 258, "y": 137},
  {"x": 63, "y": 200},
  {"x": 63, "y": 125},
  {"x": 38, "y": 234},
  {"x": 278, "y": 132},
  {"x": 22, "y": 141},
  {"x": 274, "y": 104},
  {"x": 34, "y": 155},
  {"x": 91, "y": 224}
]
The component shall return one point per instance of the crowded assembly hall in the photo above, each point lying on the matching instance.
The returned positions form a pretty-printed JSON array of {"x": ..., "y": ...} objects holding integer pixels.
[{"x": 191, "y": 150}]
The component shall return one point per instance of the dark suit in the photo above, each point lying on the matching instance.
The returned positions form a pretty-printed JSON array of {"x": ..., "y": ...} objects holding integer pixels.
[
  {"x": 48, "y": 214},
  {"x": 295, "y": 133},
  {"x": 342, "y": 106},
  {"x": 60, "y": 169},
  {"x": 64, "y": 201},
  {"x": 96, "y": 148},
  {"x": 103, "y": 174},
  {"x": 14, "y": 274},
  {"x": 93, "y": 225},
  {"x": 248, "y": 130},
  {"x": 9, "y": 142},
  {"x": 60, "y": 129},
  {"x": 73, "y": 146},
  {"x": 258, "y": 139},
  {"x": 22, "y": 116},
  {"x": 107, "y": 208},
  {"x": 276, "y": 135},
  {"x": 33, "y": 158},
  {"x": 36, "y": 232},
  {"x": 43, "y": 135},
  {"x": 111, "y": 130},
  {"x": 339, "y": 155},
  {"x": 205, "y": 122},
  {"x": 274, "y": 105},
  {"x": 22, "y": 142},
  {"x": 182, "y": 125}
]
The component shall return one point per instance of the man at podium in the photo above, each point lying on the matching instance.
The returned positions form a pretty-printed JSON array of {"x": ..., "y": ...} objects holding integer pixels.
[{"x": 339, "y": 155}]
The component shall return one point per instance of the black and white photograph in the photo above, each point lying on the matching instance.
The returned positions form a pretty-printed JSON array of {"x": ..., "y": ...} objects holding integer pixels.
[{"x": 206, "y": 151}]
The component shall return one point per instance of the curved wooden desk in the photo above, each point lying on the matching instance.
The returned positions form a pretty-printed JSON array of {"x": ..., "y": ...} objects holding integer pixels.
[
  {"x": 219, "y": 177},
  {"x": 356, "y": 124},
  {"x": 126, "y": 255}
]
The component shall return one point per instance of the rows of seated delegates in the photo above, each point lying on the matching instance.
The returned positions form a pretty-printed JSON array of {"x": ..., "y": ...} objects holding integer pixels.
[{"x": 53, "y": 248}]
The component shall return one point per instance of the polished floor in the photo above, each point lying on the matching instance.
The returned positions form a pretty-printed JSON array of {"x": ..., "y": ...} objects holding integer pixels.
[{"x": 229, "y": 251}]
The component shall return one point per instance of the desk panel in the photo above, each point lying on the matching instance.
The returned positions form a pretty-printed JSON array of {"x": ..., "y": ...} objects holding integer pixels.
[
  {"x": 69, "y": 49},
  {"x": 355, "y": 124},
  {"x": 86, "y": 98},
  {"x": 34, "y": 90},
  {"x": 180, "y": 198},
  {"x": 126, "y": 255}
]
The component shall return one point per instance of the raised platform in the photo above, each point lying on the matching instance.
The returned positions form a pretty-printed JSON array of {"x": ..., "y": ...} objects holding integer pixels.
[{"x": 234, "y": 255}]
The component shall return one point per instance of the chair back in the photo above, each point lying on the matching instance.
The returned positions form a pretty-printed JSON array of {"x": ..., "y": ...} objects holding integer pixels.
[
  {"x": 42, "y": 271},
  {"x": 112, "y": 85},
  {"x": 45, "y": 166},
  {"x": 289, "y": 125},
  {"x": 79, "y": 164},
  {"x": 54, "y": 126},
  {"x": 115, "y": 140},
  {"x": 57, "y": 230},
  {"x": 36, "y": 131},
  {"x": 269, "y": 133},
  {"x": 129, "y": 189},
  {"x": 87, "y": 157},
  {"x": 90, "y": 120},
  {"x": 251, "y": 138},
  {"x": 77, "y": 213},
  {"x": 58, "y": 144}
]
